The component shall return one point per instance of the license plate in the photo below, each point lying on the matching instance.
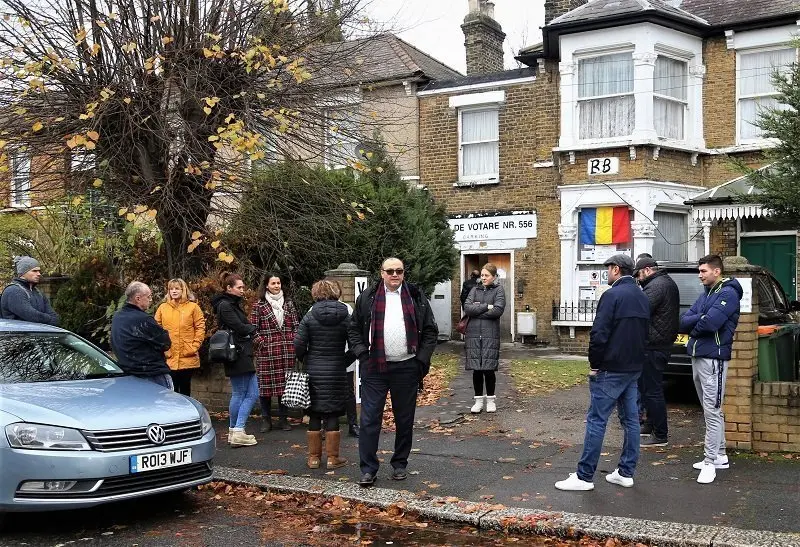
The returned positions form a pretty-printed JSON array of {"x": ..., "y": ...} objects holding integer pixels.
[
  {"x": 682, "y": 339},
  {"x": 161, "y": 460}
]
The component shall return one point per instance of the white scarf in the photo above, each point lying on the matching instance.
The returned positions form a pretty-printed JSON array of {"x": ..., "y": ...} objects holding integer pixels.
[{"x": 276, "y": 301}]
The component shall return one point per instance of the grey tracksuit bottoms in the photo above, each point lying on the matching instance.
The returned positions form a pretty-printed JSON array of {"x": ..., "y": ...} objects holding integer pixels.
[{"x": 709, "y": 381}]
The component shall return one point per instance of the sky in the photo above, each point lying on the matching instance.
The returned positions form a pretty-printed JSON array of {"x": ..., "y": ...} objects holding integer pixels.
[{"x": 434, "y": 26}]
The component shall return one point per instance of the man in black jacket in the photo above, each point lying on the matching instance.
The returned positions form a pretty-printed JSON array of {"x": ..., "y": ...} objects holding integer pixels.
[
  {"x": 664, "y": 297},
  {"x": 616, "y": 354},
  {"x": 138, "y": 341},
  {"x": 393, "y": 333}
]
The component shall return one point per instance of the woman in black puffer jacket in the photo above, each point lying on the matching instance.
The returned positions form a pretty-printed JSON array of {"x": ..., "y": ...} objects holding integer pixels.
[{"x": 320, "y": 341}]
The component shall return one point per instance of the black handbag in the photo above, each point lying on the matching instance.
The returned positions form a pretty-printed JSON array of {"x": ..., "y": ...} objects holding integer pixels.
[{"x": 222, "y": 348}]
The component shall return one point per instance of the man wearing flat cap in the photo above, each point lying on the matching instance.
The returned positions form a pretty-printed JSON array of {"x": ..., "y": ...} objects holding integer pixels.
[
  {"x": 21, "y": 300},
  {"x": 662, "y": 293},
  {"x": 616, "y": 354}
]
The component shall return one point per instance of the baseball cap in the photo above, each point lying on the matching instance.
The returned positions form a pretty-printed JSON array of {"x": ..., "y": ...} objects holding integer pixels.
[
  {"x": 623, "y": 261},
  {"x": 643, "y": 263}
]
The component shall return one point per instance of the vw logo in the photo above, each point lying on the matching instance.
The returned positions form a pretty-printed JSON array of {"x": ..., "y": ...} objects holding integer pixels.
[{"x": 156, "y": 434}]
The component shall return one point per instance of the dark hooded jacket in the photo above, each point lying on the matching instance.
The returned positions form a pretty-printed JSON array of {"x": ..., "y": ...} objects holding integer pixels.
[
  {"x": 231, "y": 316},
  {"x": 320, "y": 342},
  {"x": 664, "y": 297},
  {"x": 712, "y": 320}
]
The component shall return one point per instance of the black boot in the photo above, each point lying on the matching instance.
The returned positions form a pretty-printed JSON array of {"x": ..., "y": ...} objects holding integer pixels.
[
  {"x": 266, "y": 424},
  {"x": 266, "y": 417},
  {"x": 353, "y": 430},
  {"x": 283, "y": 422}
]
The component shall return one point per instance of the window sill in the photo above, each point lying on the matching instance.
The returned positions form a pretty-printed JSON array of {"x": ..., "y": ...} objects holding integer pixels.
[
  {"x": 625, "y": 143},
  {"x": 571, "y": 323},
  {"x": 747, "y": 146},
  {"x": 476, "y": 182}
]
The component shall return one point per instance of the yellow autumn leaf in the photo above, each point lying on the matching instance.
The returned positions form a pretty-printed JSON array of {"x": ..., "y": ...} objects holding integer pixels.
[
  {"x": 131, "y": 217},
  {"x": 167, "y": 39},
  {"x": 215, "y": 244},
  {"x": 207, "y": 110},
  {"x": 90, "y": 145},
  {"x": 213, "y": 138},
  {"x": 77, "y": 201},
  {"x": 225, "y": 257},
  {"x": 37, "y": 126},
  {"x": 123, "y": 211},
  {"x": 156, "y": 189},
  {"x": 192, "y": 246},
  {"x": 94, "y": 135},
  {"x": 140, "y": 209},
  {"x": 151, "y": 214},
  {"x": 97, "y": 183},
  {"x": 196, "y": 234},
  {"x": 126, "y": 100},
  {"x": 95, "y": 49},
  {"x": 129, "y": 47},
  {"x": 3, "y": 144},
  {"x": 207, "y": 52}
]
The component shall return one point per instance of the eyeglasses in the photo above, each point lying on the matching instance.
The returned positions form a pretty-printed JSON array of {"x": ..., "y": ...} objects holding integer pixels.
[{"x": 392, "y": 271}]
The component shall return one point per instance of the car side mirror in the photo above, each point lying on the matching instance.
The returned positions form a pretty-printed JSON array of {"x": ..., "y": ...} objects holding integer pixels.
[{"x": 794, "y": 305}]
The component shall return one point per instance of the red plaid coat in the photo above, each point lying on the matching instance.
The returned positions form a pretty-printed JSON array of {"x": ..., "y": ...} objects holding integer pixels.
[{"x": 273, "y": 347}]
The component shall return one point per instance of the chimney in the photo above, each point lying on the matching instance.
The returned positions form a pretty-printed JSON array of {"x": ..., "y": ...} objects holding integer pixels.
[
  {"x": 557, "y": 8},
  {"x": 483, "y": 38}
]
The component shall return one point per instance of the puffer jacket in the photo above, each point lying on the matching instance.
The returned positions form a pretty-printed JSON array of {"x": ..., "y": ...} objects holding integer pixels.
[
  {"x": 664, "y": 297},
  {"x": 231, "y": 316},
  {"x": 320, "y": 341},
  {"x": 618, "y": 337},
  {"x": 712, "y": 320},
  {"x": 186, "y": 325},
  {"x": 482, "y": 339}
]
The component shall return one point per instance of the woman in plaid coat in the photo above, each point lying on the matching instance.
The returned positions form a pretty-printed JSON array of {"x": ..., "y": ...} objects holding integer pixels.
[{"x": 275, "y": 318}]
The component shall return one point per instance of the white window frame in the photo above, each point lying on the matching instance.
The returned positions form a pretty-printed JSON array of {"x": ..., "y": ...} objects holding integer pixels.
[
  {"x": 82, "y": 161},
  {"x": 485, "y": 178},
  {"x": 20, "y": 183},
  {"x": 579, "y": 100},
  {"x": 334, "y": 161},
  {"x": 684, "y": 102},
  {"x": 740, "y": 97}
]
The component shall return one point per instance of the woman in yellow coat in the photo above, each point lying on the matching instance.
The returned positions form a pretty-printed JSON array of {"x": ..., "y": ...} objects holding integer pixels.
[{"x": 184, "y": 321}]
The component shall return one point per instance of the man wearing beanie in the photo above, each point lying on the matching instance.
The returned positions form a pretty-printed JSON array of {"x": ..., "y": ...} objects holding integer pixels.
[{"x": 21, "y": 300}]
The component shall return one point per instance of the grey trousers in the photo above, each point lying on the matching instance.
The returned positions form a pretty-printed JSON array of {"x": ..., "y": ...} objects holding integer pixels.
[{"x": 709, "y": 381}]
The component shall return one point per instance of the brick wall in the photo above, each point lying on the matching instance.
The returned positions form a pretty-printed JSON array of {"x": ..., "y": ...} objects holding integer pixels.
[
  {"x": 776, "y": 416},
  {"x": 719, "y": 93},
  {"x": 212, "y": 389},
  {"x": 554, "y": 8},
  {"x": 723, "y": 238},
  {"x": 483, "y": 41}
]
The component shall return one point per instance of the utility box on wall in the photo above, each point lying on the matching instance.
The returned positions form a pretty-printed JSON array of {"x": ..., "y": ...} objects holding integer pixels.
[{"x": 526, "y": 324}]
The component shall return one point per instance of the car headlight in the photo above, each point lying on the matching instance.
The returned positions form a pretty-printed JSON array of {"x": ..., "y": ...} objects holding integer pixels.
[
  {"x": 45, "y": 437},
  {"x": 205, "y": 420}
]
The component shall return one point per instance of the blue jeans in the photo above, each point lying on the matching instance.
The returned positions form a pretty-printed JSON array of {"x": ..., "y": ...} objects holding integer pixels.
[
  {"x": 161, "y": 379},
  {"x": 608, "y": 389},
  {"x": 243, "y": 398}
]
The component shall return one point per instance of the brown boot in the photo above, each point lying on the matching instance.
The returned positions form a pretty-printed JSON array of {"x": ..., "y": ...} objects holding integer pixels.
[
  {"x": 332, "y": 439},
  {"x": 314, "y": 439}
]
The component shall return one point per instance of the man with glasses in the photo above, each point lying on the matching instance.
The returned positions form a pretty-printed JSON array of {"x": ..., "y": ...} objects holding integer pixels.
[
  {"x": 138, "y": 341},
  {"x": 393, "y": 333}
]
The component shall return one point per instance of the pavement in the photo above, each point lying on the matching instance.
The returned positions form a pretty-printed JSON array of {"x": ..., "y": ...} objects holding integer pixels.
[{"x": 498, "y": 470}]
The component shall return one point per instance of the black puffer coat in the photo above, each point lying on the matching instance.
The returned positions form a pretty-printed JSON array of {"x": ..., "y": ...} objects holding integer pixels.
[
  {"x": 320, "y": 342},
  {"x": 664, "y": 297},
  {"x": 482, "y": 340},
  {"x": 231, "y": 316}
]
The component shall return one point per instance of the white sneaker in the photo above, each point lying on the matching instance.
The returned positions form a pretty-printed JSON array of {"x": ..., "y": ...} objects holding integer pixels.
[
  {"x": 574, "y": 483},
  {"x": 478, "y": 406},
  {"x": 616, "y": 478},
  {"x": 720, "y": 463},
  {"x": 707, "y": 473},
  {"x": 491, "y": 403}
]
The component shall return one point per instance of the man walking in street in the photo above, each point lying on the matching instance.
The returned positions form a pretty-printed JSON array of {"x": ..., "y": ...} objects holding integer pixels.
[
  {"x": 662, "y": 292},
  {"x": 710, "y": 323},
  {"x": 137, "y": 340},
  {"x": 469, "y": 284},
  {"x": 616, "y": 355},
  {"x": 21, "y": 300},
  {"x": 393, "y": 333}
]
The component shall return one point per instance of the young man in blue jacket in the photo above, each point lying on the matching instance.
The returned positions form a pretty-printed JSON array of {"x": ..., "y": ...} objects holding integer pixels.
[
  {"x": 710, "y": 323},
  {"x": 616, "y": 355}
]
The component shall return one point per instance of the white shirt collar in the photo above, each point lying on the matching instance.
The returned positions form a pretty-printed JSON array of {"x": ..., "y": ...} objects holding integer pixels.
[{"x": 388, "y": 290}]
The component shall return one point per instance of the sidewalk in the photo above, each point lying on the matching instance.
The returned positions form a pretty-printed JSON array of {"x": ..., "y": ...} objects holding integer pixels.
[{"x": 514, "y": 457}]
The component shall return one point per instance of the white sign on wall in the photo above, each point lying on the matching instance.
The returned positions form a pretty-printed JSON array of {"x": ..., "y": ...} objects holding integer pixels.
[
  {"x": 360, "y": 285},
  {"x": 500, "y": 227},
  {"x": 746, "y": 301},
  {"x": 602, "y": 166}
]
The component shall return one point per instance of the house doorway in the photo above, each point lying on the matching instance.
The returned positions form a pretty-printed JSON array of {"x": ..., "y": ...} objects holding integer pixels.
[
  {"x": 505, "y": 277},
  {"x": 778, "y": 254}
]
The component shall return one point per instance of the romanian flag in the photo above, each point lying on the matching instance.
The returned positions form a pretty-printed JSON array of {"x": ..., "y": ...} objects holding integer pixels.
[{"x": 605, "y": 225}]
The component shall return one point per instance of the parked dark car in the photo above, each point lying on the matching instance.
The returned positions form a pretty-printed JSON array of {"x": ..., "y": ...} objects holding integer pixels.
[{"x": 773, "y": 307}]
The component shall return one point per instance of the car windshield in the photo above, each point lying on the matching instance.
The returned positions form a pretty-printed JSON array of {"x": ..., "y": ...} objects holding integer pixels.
[
  {"x": 50, "y": 357},
  {"x": 689, "y": 287}
]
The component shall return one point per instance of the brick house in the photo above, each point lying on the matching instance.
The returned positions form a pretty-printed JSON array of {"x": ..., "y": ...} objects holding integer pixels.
[{"x": 628, "y": 108}]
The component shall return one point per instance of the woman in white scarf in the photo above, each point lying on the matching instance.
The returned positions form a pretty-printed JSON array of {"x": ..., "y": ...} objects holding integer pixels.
[{"x": 276, "y": 321}]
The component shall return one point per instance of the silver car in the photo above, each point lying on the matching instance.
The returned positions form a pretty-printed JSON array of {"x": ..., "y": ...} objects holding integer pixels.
[{"x": 76, "y": 431}]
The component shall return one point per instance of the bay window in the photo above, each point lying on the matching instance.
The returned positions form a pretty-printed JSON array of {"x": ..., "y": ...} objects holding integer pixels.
[
  {"x": 756, "y": 90},
  {"x": 605, "y": 96},
  {"x": 669, "y": 97}
]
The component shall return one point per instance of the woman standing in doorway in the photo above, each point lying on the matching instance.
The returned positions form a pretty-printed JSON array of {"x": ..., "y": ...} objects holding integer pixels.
[
  {"x": 180, "y": 315},
  {"x": 484, "y": 307},
  {"x": 275, "y": 318}
]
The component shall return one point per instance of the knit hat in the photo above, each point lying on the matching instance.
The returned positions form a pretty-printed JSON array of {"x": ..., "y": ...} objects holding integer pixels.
[{"x": 24, "y": 264}]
